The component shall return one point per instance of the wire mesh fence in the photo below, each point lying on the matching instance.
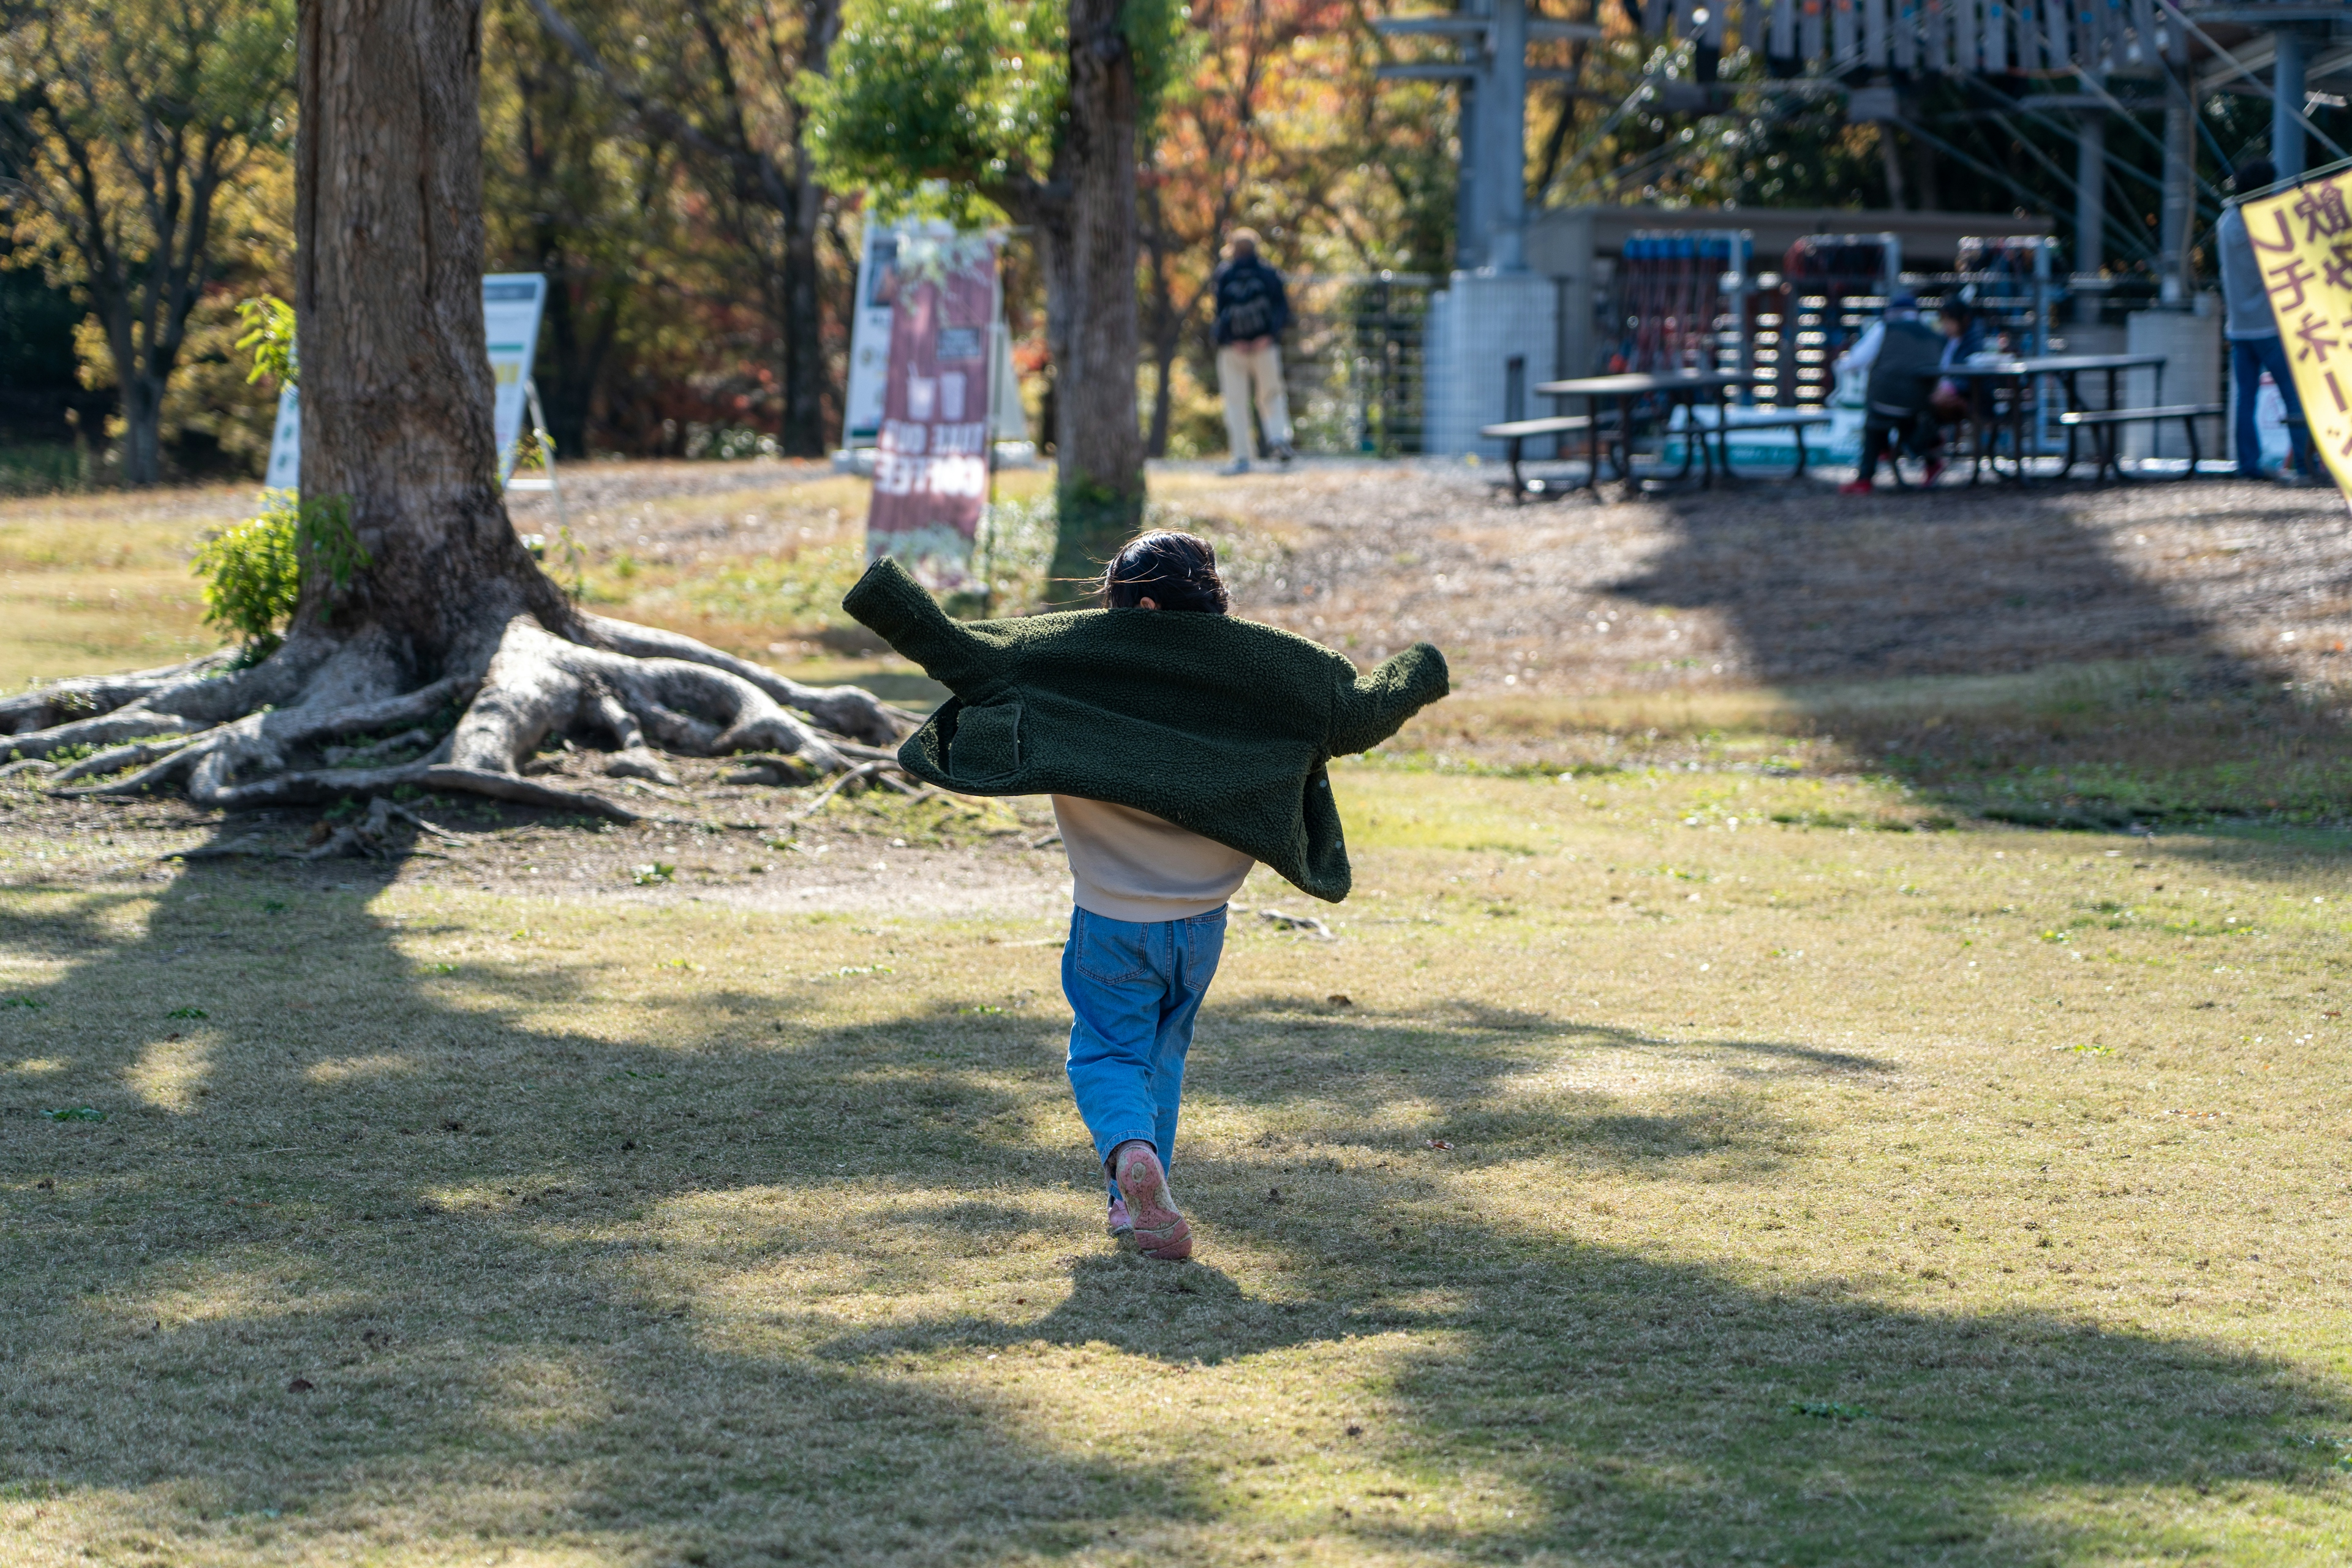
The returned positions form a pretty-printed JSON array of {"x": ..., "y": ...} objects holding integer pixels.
[{"x": 1353, "y": 362}]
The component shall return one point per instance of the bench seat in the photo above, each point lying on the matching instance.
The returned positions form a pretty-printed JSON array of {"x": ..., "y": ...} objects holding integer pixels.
[
  {"x": 1752, "y": 419},
  {"x": 1521, "y": 429},
  {"x": 2094, "y": 416},
  {"x": 2103, "y": 422},
  {"x": 1516, "y": 431}
]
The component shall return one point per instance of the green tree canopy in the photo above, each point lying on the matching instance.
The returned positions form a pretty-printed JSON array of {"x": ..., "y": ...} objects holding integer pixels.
[
  {"x": 147, "y": 142},
  {"x": 1031, "y": 110}
]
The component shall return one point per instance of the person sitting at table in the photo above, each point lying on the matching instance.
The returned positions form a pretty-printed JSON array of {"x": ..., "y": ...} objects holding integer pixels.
[
  {"x": 1954, "y": 402},
  {"x": 1899, "y": 357}
]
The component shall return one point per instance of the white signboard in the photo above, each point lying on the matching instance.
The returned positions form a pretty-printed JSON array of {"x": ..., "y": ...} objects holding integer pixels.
[
  {"x": 285, "y": 469},
  {"x": 512, "y": 304},
  {"x": 869, "y": 344}
]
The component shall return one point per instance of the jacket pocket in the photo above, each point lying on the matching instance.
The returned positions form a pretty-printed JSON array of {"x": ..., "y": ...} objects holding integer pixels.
[{"x": 987, "y": 743}]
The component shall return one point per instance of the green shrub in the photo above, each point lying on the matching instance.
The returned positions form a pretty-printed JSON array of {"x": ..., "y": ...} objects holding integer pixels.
[
  {"x": 268, "y": 324},
  {"x": 253, "y": 572}
]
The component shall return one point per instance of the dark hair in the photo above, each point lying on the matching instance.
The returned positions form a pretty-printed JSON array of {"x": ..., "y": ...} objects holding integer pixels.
[
  {"x": 1175, "y": 571},
  {"x": 2254, "y": 174}
]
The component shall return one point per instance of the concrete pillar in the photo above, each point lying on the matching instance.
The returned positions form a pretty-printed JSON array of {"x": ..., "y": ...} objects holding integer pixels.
[
  {"x": 1509, "y": 205},
  {"x": 2287, "y": 103},
  {"x": 2179, "y": 213},
  {"x": 2090, "y": 206}
]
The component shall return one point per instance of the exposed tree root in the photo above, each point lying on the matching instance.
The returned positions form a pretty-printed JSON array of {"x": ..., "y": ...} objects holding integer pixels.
[
  {"x": 366, "y": 837},
  {"x": 863, "y": 770},
  {"x": 286, "y": 732}
]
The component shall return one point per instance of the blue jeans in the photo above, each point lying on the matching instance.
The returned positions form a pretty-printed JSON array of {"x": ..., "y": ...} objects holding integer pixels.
[
  {"x": 1136, "y": 988},
  {"x": 2249, "y": 357}
]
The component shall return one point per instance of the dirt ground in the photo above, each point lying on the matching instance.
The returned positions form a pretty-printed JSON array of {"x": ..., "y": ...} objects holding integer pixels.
[
  {"x": 1940, "y": 637},
  {"x": 1784, "y": 584},
  {"x": 747, "y": 845},
  {"x": 1768, "y": 582}
]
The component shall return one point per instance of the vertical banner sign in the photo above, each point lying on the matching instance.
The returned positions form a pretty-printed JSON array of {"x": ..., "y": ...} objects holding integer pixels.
[
  {"x": 2302, "y": 239},
  {"x": 512, "y": 303},
  {"x": 869, "y": 337},
  {"x": 930, "y": 459}
]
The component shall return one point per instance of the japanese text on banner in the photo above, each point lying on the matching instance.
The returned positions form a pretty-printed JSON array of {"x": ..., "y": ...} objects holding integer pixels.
[{"x": 2302, "y": 241}]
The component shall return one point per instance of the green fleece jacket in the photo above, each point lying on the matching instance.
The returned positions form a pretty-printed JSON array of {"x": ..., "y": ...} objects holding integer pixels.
[{"x": 1219, "y": 725}]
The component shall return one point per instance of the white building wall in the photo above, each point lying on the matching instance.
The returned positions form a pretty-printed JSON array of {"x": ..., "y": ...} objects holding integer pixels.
[{"x": 1480, "y": 324}]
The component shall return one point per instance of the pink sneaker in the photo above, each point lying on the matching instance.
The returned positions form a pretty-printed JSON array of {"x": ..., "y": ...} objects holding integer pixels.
[
  {"x": 1160, "y": 1229},
  {"x": 1121, "y": 1227}
]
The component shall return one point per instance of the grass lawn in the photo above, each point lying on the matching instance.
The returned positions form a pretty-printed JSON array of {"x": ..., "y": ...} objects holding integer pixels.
[
  {"x": 1729, "y": 1125},
  {"x": 1639, "y": 1178}
]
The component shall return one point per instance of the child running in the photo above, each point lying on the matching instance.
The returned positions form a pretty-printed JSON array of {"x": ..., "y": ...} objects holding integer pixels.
[{"x": 1180, "y": 747}]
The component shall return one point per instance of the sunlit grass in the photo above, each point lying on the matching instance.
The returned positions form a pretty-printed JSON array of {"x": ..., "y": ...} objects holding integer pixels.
[{"x": 1622, "y": 1185}]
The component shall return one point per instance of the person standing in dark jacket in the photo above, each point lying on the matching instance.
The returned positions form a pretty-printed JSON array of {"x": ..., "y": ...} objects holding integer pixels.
[
  {"x": 1250, "y": 312},
  {"x": 2255, "y": 347}
]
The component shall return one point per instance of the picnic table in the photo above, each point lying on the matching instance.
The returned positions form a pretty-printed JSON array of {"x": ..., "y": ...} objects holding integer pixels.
[
  {"x": 1683, "y": 387},
  {"x": 2016, "y": 376}
]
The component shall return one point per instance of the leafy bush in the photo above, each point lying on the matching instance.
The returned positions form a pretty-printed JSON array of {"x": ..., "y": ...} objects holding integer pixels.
[
  {"x": 268, "y": 323},
  {"x": 253, "y": 572}
]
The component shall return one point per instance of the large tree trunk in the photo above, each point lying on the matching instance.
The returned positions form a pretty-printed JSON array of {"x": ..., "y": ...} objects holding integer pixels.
[
  {"x": 1099, "y": 443},
  {"x": 395, "y": 372},
  {"x": 444, "y": 607}
]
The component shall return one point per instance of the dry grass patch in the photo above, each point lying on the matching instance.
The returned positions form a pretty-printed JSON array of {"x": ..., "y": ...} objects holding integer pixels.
[{"x": 1622, "y": 1185}]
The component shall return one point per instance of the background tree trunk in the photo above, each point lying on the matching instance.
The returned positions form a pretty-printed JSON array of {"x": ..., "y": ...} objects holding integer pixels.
[
  {"x": 142, "y": 424},
  {"x": 804, "y": 433},
  {"x": 395, "y": 373},
  {"x": 1166, "y": 325},
  {"x": 1100, "y": 445}
]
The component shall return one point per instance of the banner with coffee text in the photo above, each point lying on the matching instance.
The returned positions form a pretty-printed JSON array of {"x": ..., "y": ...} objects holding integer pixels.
[{"x": 930, "y": 459}]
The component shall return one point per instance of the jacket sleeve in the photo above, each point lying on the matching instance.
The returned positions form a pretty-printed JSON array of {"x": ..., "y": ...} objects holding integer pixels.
[
  {"x": 894, "y": 607},
  {"x": 1375, "y": 704},
  {"x": 1281, "y": 302}
]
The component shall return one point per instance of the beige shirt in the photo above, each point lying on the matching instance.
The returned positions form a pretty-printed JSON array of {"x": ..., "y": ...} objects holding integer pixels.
[{"x": 1129, "y": 865}]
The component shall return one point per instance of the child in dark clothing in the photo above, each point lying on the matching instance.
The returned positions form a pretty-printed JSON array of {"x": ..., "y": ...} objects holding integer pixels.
[{"x": 1180, "y": 746}]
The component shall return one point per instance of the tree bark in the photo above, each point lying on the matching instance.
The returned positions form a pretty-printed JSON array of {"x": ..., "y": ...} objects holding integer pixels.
[
  {"x": 1100, "y": 444},
  {"x": 395, "y": 372}
]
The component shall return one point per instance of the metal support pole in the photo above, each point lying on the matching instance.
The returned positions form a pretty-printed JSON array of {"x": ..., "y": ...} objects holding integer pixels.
[
  {"x": 1509, "y": 203},
  {"x": 2180, "y": 177},
  {"x": 2090, "y": 206},
  {"x": 1469, "y": 211},
  {"x": 2287, "y": 94}
]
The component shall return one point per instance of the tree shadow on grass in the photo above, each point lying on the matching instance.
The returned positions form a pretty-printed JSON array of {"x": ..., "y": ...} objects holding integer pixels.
[
  {"x": 1987, "y": 648},
  {"x": 552, "y": 1290}
]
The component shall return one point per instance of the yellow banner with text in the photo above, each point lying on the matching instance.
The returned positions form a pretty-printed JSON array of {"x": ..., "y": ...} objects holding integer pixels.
[{"x": 2302, "y": 241}]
